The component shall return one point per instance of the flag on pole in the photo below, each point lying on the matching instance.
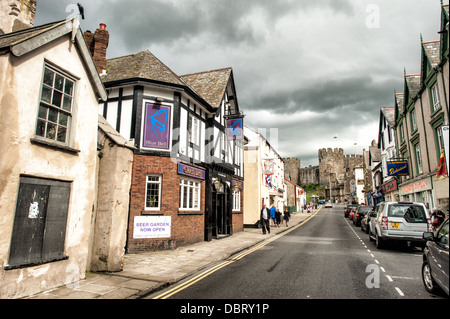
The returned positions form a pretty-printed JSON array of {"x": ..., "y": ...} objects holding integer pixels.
[{"x": 442, "y": 168}]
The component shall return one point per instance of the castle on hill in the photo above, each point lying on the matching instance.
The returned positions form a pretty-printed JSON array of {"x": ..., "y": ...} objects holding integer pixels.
[{"x": 335, "y": 171}]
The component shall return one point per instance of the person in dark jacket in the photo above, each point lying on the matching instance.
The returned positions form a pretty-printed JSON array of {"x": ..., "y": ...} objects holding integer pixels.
[
  {"x": 287, "y": 216},
  {"x": 278, "y": 217},
  {"x": 265, "y": 219}
]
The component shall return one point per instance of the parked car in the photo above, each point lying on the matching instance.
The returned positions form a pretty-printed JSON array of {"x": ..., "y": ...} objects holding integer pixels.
[
  {"x": 321, "y": 201},
  {"x": 352, "y": 212},
  {"x": 399, "y": 222},
  {"x": 348, "y": 208},
  {"x": 366, "y": 220},
  {"x": 435, "y": 267},
  {"x": 360, "y": 212}
]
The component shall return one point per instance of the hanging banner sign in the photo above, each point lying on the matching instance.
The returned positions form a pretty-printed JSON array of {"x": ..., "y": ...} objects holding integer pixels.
[
  {"x": 445, "y": 138},
  {"x": 398, "y": 168},
  {"x": 235, "y": 129},
  {"x": 156, "y": 126},
  {"x": 269, "y": 167}
]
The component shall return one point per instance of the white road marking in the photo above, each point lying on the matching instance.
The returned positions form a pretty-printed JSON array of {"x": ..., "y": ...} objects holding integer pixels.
[{"x": 399, "y": 292}]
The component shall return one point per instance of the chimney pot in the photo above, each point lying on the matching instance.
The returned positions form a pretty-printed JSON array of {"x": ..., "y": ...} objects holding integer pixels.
[{"x": 102, "y": 26}]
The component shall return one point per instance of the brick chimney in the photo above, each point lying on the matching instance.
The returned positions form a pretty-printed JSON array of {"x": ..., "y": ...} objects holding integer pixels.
[
  {"x": 16, "y": 15},
  {"x": 97, "y": 44}
]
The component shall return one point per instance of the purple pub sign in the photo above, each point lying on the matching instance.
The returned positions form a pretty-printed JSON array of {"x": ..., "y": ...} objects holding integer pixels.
[
  {"x": 235, "y": 129},
  {"x": 157, "y": 126}
]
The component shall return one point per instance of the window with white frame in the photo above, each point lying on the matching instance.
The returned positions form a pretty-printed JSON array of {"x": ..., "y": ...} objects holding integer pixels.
[
  {"x": 153, "y": 192},
  {"x": 402, "y": 136},
  {"x": 418, "y": 155},
  {"x": 193, "y": 129},
  {"x": 189, "y": 194},
  {"x": 236, "y": 201},
  {"x": 55, "y": 107},
  {"x": 436, "y": 104},
  {"x": 439, "y": 138},
  {"x": 413, "y": 121}
]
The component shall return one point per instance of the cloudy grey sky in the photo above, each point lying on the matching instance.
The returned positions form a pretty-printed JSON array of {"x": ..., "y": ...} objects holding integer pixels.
[{"x": 311, "y": 69}]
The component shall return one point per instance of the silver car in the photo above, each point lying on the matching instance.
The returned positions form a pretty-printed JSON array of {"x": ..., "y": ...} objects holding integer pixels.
[
  {"x": 399, "y": 222},
  {"x": 435, "y": 260}
]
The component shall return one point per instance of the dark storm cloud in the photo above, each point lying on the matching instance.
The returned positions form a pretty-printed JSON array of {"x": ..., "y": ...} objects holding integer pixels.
[
  {"x": 144, "y": 22},
  {"x": 359, "y": 93},
  {"x": 312, "y": 69}
]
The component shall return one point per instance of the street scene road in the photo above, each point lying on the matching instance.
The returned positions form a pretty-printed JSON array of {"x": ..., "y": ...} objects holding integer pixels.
[{"x": 326, "y": 258}]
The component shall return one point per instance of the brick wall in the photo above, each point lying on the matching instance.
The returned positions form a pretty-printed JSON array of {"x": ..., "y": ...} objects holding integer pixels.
[{"x": 187, "y": 226}]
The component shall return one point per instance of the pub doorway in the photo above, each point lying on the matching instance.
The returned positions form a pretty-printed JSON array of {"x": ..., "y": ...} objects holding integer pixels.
[{"x": 221, "y": 219}]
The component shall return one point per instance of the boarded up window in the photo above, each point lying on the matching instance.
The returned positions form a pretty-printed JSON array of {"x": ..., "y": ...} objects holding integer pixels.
[{"x": 39, "y": 229}]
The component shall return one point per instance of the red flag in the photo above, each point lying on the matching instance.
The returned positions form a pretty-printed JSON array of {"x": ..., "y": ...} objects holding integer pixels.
[{"x": 442, "y": 168}]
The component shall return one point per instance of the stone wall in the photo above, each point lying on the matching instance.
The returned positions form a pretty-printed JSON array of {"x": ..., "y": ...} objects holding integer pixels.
[
  {"x": 309, "y": 175},
  {"x": 292, "y": 169}
]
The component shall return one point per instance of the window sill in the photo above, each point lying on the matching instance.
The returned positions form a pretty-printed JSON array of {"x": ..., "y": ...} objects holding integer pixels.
[
  {"x": 433, "y": 113},
  {"x": 152, "y": 212},
  {"x": 54, "y": 145},
  {"x": 37, "y": 263},
  {"x": 190, "y": 212}
]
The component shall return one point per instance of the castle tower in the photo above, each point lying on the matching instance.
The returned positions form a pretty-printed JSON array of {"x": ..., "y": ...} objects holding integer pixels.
[
  {"x": 292, "y": 169},
  {"x": 16, "y": 15}
]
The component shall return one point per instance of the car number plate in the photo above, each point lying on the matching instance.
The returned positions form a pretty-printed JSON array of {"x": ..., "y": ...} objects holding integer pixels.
[{"x": 395, "y": 225}]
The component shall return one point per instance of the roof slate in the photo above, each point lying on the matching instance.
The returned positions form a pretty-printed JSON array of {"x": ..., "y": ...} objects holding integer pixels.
[
  {"x": 142, "y": 65},
  {"x": 13, "y": 38},
  {"x": 210, "y": 85},
  {"x": 413, "y": 82},
  {"x": 432, "y": 50},
  {"x": 399, "y": 98},
  {"x": 389, "y": 114}
]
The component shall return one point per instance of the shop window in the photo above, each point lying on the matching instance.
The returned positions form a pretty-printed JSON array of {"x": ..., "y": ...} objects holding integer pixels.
[
  {"x": 153, "y": 192},
  {"x": 55, "y": 107},
  {"x": 39, "y": 229},
  {"x": 189, "y": 195}
]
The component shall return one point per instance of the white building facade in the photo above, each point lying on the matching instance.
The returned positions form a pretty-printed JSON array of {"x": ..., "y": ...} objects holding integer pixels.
[{"x": 263, "y": 175}]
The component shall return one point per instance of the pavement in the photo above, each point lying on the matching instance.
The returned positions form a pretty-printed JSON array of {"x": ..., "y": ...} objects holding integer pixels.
[{"x": 147, "y": 273}]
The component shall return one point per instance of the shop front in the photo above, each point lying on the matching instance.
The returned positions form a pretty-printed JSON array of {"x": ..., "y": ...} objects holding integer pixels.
[
  {"x": 418, "y": 191},
  {"x": 390, "y": 191}
]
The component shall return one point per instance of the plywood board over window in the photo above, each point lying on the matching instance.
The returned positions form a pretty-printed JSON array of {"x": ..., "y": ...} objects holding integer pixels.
[{"x": 40, "y": 222}]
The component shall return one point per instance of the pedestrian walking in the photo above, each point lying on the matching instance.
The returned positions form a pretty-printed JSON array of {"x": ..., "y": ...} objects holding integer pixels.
[
  {"x": 273, "y": 211},
  {"x": 438, "y": 217},
  {"x": 287, "y": 216},
  {"x": 308, "y": 208},
  {"x": 278, "y": 217},
  {"x": 264, "y": 219}
]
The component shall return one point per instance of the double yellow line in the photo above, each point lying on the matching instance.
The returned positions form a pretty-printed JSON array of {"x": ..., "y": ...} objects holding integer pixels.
[{"x": 233, "y": 259}]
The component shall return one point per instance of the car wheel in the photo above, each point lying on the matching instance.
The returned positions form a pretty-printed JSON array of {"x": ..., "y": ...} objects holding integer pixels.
[
  {"x": 379, "y": 242},
  {"x": 428, "y": 281}
]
